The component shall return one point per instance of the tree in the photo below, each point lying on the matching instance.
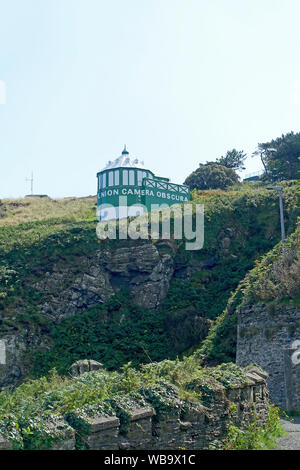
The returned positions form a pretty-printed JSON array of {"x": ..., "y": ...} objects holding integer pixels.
[
  {"x": 212, "y": 176},
  {"x": 281, "y": 157},
  {"x": 233, "y": 159}
]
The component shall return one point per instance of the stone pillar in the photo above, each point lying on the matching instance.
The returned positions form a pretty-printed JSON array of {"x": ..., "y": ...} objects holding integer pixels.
[
  {"x": 57, "y": 435},
  {"x": 139, "y": 431},
  {"x": 193, "y": 426},
  {"x": 166, "y": 430},
  {"x": 103, "y": 433}
]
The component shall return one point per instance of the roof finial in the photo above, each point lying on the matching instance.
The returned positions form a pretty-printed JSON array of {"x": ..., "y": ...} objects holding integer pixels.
[{"x": 125, "y": 152}]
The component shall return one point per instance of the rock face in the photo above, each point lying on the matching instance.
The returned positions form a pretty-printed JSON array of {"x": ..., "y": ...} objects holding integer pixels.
[
  {"x": 269, "y": 336},
  {"x": 12, "y": 370},
  {"x": 86, "y": 365},
  {"x": 144, "y": 270},
  {"x": 139, "y": 267},
  {"x": 16, "y": 347},
  {"x": 69, "y": 289}
]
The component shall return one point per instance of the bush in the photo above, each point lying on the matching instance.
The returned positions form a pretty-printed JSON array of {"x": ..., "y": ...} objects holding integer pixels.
[
  {"x": 112, "y": 333},
  {"x": 255, "y": 437},
  {"x": 212, "y": 176},
  {"x": 276, "y": 277}
]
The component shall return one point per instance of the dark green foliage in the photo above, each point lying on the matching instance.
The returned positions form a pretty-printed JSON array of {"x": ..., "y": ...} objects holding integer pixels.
[
  {"x": 113, "y": 333},
  {"x": 207, "y": 291},
  {"x": 31, "y": 249},
  {"x": 276, "y": 277},
  {"x": 281, "y": 157},
  {"x": 223, "y": 346},
  {"x": 252, "y": 217},
  {"x": 234, "y": 159},
  {"x": 273, "y": 278},
  {"x": 220, "y": 344},
  {"x": 212, "y": 176},
  {"x": 163, "y": 397}
]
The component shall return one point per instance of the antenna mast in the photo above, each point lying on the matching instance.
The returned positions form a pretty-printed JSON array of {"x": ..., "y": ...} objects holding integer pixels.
[{"x": 31, "y": 182}]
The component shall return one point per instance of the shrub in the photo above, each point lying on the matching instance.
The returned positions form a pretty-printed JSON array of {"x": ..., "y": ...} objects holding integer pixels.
[
  {"x": 255, "y": 437},
  {"x": 212, "y": 176}
]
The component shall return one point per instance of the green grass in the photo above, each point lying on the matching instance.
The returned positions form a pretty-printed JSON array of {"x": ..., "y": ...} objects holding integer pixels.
[
  {"x": 276, "y": 277},
  {"x": 20, "y": 211}
]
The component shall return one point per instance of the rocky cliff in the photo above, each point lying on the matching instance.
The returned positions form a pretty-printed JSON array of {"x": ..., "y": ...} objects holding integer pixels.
[
  {"x": 70, "y": 289},
  {"x": 55, "y": 269},
  {"x": 139, "y": 266}
]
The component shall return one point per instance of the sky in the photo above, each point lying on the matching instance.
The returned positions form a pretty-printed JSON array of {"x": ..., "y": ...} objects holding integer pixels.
[{"x": 179, "y": 81}]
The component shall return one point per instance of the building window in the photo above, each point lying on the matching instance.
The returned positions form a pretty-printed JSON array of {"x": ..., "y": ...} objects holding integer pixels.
[
  {"x": 149, "y": 175},
  {"x": 144, "y": 174},
  {"x": 125, "y": 177},
  {"x": 131, "y": 177},
  {"x": 104, "y": 180},
  {"x": 140, "y": 178},
  {"x": 111, "y": 178},
  {"x": 117, "y": 178},
  {"x": 99, "y": 182}
]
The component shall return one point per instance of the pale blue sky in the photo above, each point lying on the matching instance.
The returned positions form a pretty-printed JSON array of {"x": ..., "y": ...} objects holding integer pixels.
[{"x": 179, "y": 81}]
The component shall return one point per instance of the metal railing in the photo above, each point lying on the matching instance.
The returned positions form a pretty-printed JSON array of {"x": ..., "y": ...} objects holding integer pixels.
[{"x": 176, "y": 188}]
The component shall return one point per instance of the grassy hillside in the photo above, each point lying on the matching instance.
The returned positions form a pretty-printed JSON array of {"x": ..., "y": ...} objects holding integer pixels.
[
  {"x": 32, "y": 209},
  {"x": 276, "y": 277},
  {"x": 241, "y": 225},
  {"x": 273, "y": 281}
]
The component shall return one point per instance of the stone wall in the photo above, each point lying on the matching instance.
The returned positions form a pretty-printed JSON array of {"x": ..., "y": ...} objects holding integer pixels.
[
  {"x": 266, "y": 334},
  {"x": 149, "y": 428}
]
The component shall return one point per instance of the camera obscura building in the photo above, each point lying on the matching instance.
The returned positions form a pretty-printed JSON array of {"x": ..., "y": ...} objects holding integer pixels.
[{"x": 126, "y": 189}]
